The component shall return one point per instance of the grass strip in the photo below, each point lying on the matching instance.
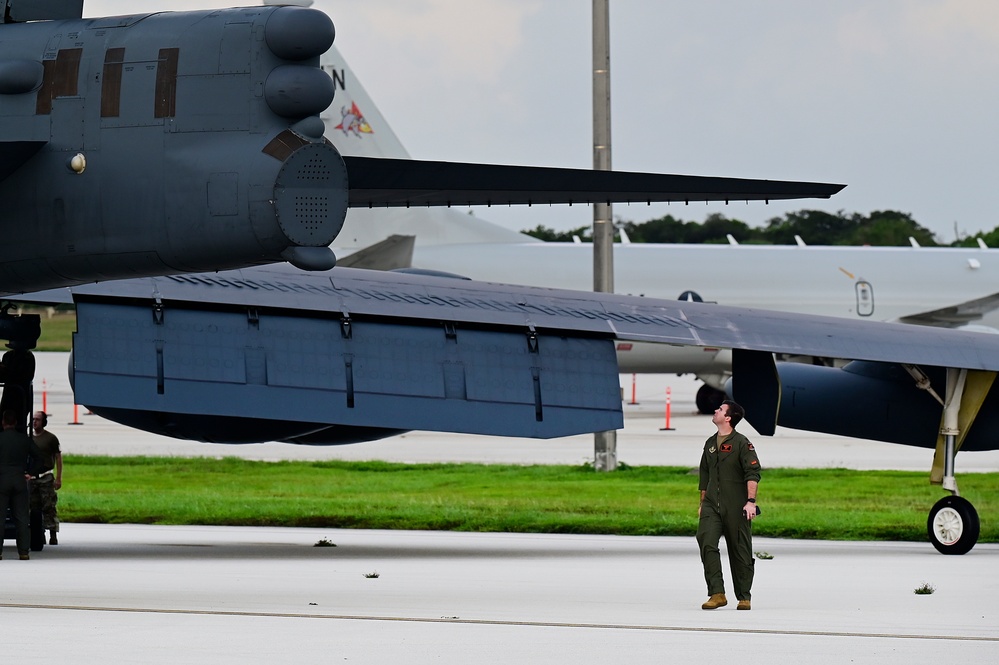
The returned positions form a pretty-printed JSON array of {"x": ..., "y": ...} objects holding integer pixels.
[{"x": 830, "y": 504}]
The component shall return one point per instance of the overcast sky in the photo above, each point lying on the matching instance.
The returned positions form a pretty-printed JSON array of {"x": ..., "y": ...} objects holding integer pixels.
[{"x": 898, "y": 99}]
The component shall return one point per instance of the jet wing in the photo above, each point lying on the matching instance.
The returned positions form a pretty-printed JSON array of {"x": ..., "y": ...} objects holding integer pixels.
[
  {"x": 956, "y": 315},
  {"x": 272, "y": 353},
  {"x": 378, "y": 182}
]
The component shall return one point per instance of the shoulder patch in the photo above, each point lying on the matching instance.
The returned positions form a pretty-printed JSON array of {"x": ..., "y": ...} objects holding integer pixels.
[
  {"x": 750, "y": 446},
  {"x": 752, "y": 462}
]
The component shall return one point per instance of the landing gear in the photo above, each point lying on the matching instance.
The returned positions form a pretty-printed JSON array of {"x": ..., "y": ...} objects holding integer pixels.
[
  {"x": 708, "y": 399},
  {"x": 953, "y": 525}
]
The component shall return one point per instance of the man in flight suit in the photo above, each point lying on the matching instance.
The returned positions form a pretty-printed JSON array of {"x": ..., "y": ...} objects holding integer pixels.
[{"x": 729, "y": 476}]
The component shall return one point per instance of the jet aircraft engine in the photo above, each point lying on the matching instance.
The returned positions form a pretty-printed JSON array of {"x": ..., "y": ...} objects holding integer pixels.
[
  {"x": 869, "y": 400},
  {"x": 883, "y": 402}
]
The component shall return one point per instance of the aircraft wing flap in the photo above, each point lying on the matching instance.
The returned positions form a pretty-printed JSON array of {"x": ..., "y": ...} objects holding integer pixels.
[
  {"x": 276, "y": 374},
  {"x": 955, "y": 315},
  {"x": 378, "y": 182}
]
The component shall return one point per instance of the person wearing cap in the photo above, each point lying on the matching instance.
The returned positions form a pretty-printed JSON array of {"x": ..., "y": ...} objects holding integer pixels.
[
  {"x": 729, "y": 477},
  {"x": 47, "y": 475}
]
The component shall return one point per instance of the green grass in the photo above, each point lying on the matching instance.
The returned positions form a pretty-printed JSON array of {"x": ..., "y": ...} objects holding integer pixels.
[
  {"x": 58, "y": 326},
  {"x": 830, "y": 504}
]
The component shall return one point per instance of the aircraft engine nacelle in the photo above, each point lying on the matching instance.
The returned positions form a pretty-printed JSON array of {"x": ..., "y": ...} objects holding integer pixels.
[
  {"x": 227, "y": 429},
  {"x": 877, "y": 401},
  {"x": 165, "y": 143}
]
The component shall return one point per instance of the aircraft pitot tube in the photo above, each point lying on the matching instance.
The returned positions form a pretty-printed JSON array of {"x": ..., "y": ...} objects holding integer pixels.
[{"x": 165, "y": 143}]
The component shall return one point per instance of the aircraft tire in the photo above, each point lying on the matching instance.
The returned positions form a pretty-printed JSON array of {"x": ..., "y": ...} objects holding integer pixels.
[
  {"x": 708, "y": 399},
  {"x": 953, "y": 525}
]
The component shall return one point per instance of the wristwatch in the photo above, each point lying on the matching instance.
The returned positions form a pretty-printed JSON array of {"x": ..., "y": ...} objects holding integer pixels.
[{"x": 751, "y": 500}]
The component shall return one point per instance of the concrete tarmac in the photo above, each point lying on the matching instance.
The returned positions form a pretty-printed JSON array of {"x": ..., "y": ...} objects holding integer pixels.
[
  {"x": 251, "y": 595},
  {"x": 152, "y": 594}
]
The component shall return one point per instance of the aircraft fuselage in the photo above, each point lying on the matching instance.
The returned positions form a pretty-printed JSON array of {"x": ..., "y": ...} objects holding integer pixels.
[{"x": 163, "y": 143}]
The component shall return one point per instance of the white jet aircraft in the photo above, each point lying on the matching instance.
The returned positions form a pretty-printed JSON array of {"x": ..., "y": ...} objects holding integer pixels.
[{"x": 948, "y": 287}]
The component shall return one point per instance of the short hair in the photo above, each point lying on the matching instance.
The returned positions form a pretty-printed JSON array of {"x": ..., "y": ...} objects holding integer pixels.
[
  {"x": 44, "y": 417},
  {"x": 735, "y": 412},
  {"x": 9, "y": 418}
]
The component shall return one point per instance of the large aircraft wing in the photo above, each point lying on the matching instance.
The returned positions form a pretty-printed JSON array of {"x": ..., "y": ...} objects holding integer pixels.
[{"x": 272, "y": 353}]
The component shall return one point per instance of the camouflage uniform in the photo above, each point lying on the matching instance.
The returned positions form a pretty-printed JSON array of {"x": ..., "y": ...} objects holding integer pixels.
[
  {"x": 725, "y": 470},
  {"x": 43, "y": 493}
]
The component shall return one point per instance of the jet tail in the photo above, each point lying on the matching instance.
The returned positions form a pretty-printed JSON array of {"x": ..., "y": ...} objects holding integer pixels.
[
  {"x": 353, "y": 123},
  {"x": 357, "y": 128},
  {"x": 393, "y": 253}
]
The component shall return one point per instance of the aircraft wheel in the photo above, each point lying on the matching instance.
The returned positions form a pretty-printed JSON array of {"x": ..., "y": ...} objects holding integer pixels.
[
  {"x": 708, "y": 399},
  {"x": 953, "y": 525}
]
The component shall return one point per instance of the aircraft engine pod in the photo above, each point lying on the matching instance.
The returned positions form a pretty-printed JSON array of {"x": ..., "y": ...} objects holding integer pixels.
[
  {"x": 310, "y": 195},
  {"x": 884, "y": 403},
  {"x": 296, "y": 33},
  {"x": 298, "y": 91}
]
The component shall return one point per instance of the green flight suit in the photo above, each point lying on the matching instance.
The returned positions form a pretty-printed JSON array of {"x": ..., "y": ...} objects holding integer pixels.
[{"x": 724, "y": 472}]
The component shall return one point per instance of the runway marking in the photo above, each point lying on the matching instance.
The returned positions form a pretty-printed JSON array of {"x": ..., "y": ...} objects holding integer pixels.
[{"x": 498, "y": 622}]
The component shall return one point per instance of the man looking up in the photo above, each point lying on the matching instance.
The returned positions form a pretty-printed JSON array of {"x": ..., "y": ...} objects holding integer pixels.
[{"x": 729, "y": 476}]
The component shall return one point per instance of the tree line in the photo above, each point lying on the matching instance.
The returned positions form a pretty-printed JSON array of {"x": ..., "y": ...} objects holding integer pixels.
[{"x": 883, "y": 228}]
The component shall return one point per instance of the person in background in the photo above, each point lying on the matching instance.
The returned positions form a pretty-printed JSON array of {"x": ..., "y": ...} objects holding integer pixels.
[
  {"x": 17, "y": 452},
  {"x": 47, "y": 477}
]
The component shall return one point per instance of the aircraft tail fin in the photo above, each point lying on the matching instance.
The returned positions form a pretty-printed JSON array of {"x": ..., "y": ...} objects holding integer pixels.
[
  {"x": 353, "y": 123},
  {"x": 393, "y": 253},
  {"x": 358, "y": 129}
]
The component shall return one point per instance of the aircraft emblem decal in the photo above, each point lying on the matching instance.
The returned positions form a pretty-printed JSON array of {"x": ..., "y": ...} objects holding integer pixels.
[{"x": 352, "y": 121}]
